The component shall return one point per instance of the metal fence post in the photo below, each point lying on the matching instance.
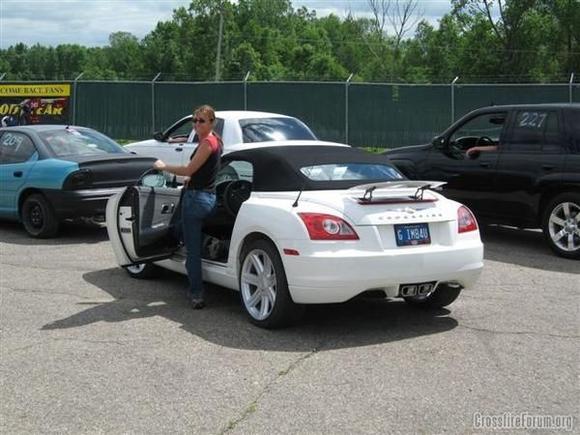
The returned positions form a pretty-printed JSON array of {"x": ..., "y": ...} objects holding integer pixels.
[
  {"x": 2, "y": 76},
  {"x": 153, "y": 101},
  {"x": 453, "y": 98},
  {"x": 246, "y": 90},
  {"x": 74, "y": 120},
  {"x": 570, "y": 87},
  {"x": 346, "y": 86}
]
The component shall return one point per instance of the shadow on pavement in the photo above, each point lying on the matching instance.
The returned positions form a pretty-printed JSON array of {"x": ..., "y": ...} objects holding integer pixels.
[
  {"x": 70, "y": 233},
  {"x": 356, "y": 323},
  {"x": 526, "y": 248}
]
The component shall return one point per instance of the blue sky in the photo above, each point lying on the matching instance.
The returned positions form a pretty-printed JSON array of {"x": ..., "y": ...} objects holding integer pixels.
[{"x": 89, "y": 22}]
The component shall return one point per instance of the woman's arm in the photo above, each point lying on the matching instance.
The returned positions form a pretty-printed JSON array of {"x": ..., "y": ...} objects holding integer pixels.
[{"x": 201, "y": 155}]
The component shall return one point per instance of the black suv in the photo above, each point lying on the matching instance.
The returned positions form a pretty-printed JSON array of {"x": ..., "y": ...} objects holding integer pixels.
[{"x": 522, "y": 168}]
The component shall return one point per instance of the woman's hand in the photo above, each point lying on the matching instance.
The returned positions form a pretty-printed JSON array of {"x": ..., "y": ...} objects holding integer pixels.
[{"x": 159, "y": 164}]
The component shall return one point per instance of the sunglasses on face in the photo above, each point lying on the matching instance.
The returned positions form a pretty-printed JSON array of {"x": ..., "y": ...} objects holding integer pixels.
[{"x": 198, "y": 121}]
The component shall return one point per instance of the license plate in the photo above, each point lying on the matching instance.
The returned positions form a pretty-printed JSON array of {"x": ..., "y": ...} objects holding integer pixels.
[{"x": 412, "y": 234}]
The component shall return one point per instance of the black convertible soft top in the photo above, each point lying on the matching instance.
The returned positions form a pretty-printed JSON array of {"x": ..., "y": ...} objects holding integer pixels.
[{"x": 277, "y": 168}]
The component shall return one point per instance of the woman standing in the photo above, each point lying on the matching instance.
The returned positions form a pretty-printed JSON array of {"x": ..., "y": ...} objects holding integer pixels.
[{"x": 198, "y": 200}]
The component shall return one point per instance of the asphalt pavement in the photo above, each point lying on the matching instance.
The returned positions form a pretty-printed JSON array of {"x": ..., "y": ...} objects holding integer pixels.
[{"x": 86, "y": 349}]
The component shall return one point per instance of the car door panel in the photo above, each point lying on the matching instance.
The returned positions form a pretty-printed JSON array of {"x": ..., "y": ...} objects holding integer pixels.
[
  {"x": 18, "y": 157},
  {"x": 147, "y": 217},
  {"x": 531, "y": 160},
  {"x": 470, "y": 181}
]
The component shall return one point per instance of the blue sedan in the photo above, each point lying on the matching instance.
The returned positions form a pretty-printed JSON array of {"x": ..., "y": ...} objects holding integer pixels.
[{"x": 50, "y": 173}]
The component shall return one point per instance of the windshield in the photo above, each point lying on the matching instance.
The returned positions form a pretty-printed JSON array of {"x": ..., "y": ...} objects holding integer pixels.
[
  {"x": 351, "y": 172},
  {"x": 77, "y": 141},
  {"x": 267, "y": 129}
]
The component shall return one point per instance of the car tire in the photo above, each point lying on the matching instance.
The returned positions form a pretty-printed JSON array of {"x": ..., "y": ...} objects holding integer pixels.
[
  {"x": 267, "y": 307},
  {"x": 142, "y": 270},
  {"x": 561, "y": 215},
  {"x": 38, "y": 217},
  {"x": 443, "y": 295}
]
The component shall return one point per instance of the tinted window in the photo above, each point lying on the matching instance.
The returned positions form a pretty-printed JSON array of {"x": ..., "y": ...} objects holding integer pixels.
[
  {"x": 351, "y": 172},
  {"x": 182, "y": 129},
  {"x": 469, "y": 134},
  {"x": 267, "y": 129},
  {"x": 573, "y": 118},
  {"x": 15, "y": 148},
  {"x": 533, "y": 129},
  {"x": 219, "y": 126},
  {"x": 73, "y": 141}
]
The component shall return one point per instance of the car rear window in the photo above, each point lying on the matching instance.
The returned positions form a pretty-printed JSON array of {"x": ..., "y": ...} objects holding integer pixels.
[
  {"x": 351, "y": 172},
  {"x": 268, "y": 129},
  {"x": 534, "y": 130},
  {"x": 74, "y": 141}
]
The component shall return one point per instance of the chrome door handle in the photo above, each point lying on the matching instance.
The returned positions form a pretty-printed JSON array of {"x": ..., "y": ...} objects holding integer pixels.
[{"x": 178, "y": 149}]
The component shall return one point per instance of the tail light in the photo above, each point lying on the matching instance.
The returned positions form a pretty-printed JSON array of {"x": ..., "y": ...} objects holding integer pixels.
[
  {"x": 465, "y": 220},
  {"x": 327, "y": 227},
  {"x": 80, "y": 178}
]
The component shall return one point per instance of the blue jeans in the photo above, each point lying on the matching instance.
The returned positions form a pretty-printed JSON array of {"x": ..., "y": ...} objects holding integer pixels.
[{"x": 196, "y": 205}]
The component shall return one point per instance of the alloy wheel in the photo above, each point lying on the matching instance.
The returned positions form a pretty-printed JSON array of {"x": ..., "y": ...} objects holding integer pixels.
[
  {"x": 564, "y": 226},
  {"x": 258, "y": 284}
]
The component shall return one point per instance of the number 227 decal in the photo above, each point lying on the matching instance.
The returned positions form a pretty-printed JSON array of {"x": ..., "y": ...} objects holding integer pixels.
[{"x": 532, "y": 119}]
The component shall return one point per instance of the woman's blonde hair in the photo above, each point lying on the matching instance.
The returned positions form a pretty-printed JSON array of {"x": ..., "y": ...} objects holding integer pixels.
[{"x": 206, "y": 110}]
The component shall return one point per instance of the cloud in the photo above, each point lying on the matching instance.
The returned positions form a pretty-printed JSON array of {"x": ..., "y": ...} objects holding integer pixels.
[
  {"x": 52, "y": 22},
  {"x": 84, "y": 22}
]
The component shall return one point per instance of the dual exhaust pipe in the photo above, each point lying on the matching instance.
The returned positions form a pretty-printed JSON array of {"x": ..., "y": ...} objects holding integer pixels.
[{"x": 422, "y": 288}]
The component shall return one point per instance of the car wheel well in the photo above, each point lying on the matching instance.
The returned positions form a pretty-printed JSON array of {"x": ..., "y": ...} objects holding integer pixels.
[
  {"x": 249, "y": 239},
  {"x": 25, "y": 194}
]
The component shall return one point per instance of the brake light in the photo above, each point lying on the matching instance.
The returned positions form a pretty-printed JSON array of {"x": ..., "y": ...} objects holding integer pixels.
[
  {"x": 80, "y": 178},
  {"x": 322, "y": 226},
  {"x": 465, "y": 220}
]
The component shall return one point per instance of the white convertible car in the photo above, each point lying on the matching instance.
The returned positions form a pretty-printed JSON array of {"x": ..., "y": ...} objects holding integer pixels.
[{"x": 308, "y": 224}]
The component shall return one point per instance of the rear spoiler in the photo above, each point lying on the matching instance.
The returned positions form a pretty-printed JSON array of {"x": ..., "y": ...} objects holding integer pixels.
[{"x": 386, "y": 186}]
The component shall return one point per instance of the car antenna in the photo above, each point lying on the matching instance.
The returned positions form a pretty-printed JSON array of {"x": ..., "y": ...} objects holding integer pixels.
[{"x": 295, "y": 204}]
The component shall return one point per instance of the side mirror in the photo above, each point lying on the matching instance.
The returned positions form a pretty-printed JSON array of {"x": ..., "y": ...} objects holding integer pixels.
[
  {"x": 158, "y": 136},
  {"x": 153, "y": 180},
  {"x": 438, "y": 142}
]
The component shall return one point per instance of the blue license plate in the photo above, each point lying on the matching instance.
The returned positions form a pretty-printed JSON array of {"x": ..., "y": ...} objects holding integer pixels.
[{"x": 412, "y": 234}]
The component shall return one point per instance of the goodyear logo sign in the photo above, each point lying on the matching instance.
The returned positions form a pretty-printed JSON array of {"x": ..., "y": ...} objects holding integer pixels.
[{"x": 34, "y": 103}]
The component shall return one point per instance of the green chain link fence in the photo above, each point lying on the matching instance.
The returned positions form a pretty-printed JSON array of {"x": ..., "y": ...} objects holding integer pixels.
[{"x": 362, "y": 114}]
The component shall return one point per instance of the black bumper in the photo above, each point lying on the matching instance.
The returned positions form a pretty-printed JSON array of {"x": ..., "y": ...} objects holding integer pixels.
[{"x": 80, "y": 203}]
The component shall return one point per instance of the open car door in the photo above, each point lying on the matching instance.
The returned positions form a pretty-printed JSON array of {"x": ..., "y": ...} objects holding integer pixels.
[{"x": 141, "y": 221}]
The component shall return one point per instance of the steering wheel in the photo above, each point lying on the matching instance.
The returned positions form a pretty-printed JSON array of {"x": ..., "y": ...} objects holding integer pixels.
[
  {"x": 235, "y": 194},
  {"x": 484, "y": 140}
]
